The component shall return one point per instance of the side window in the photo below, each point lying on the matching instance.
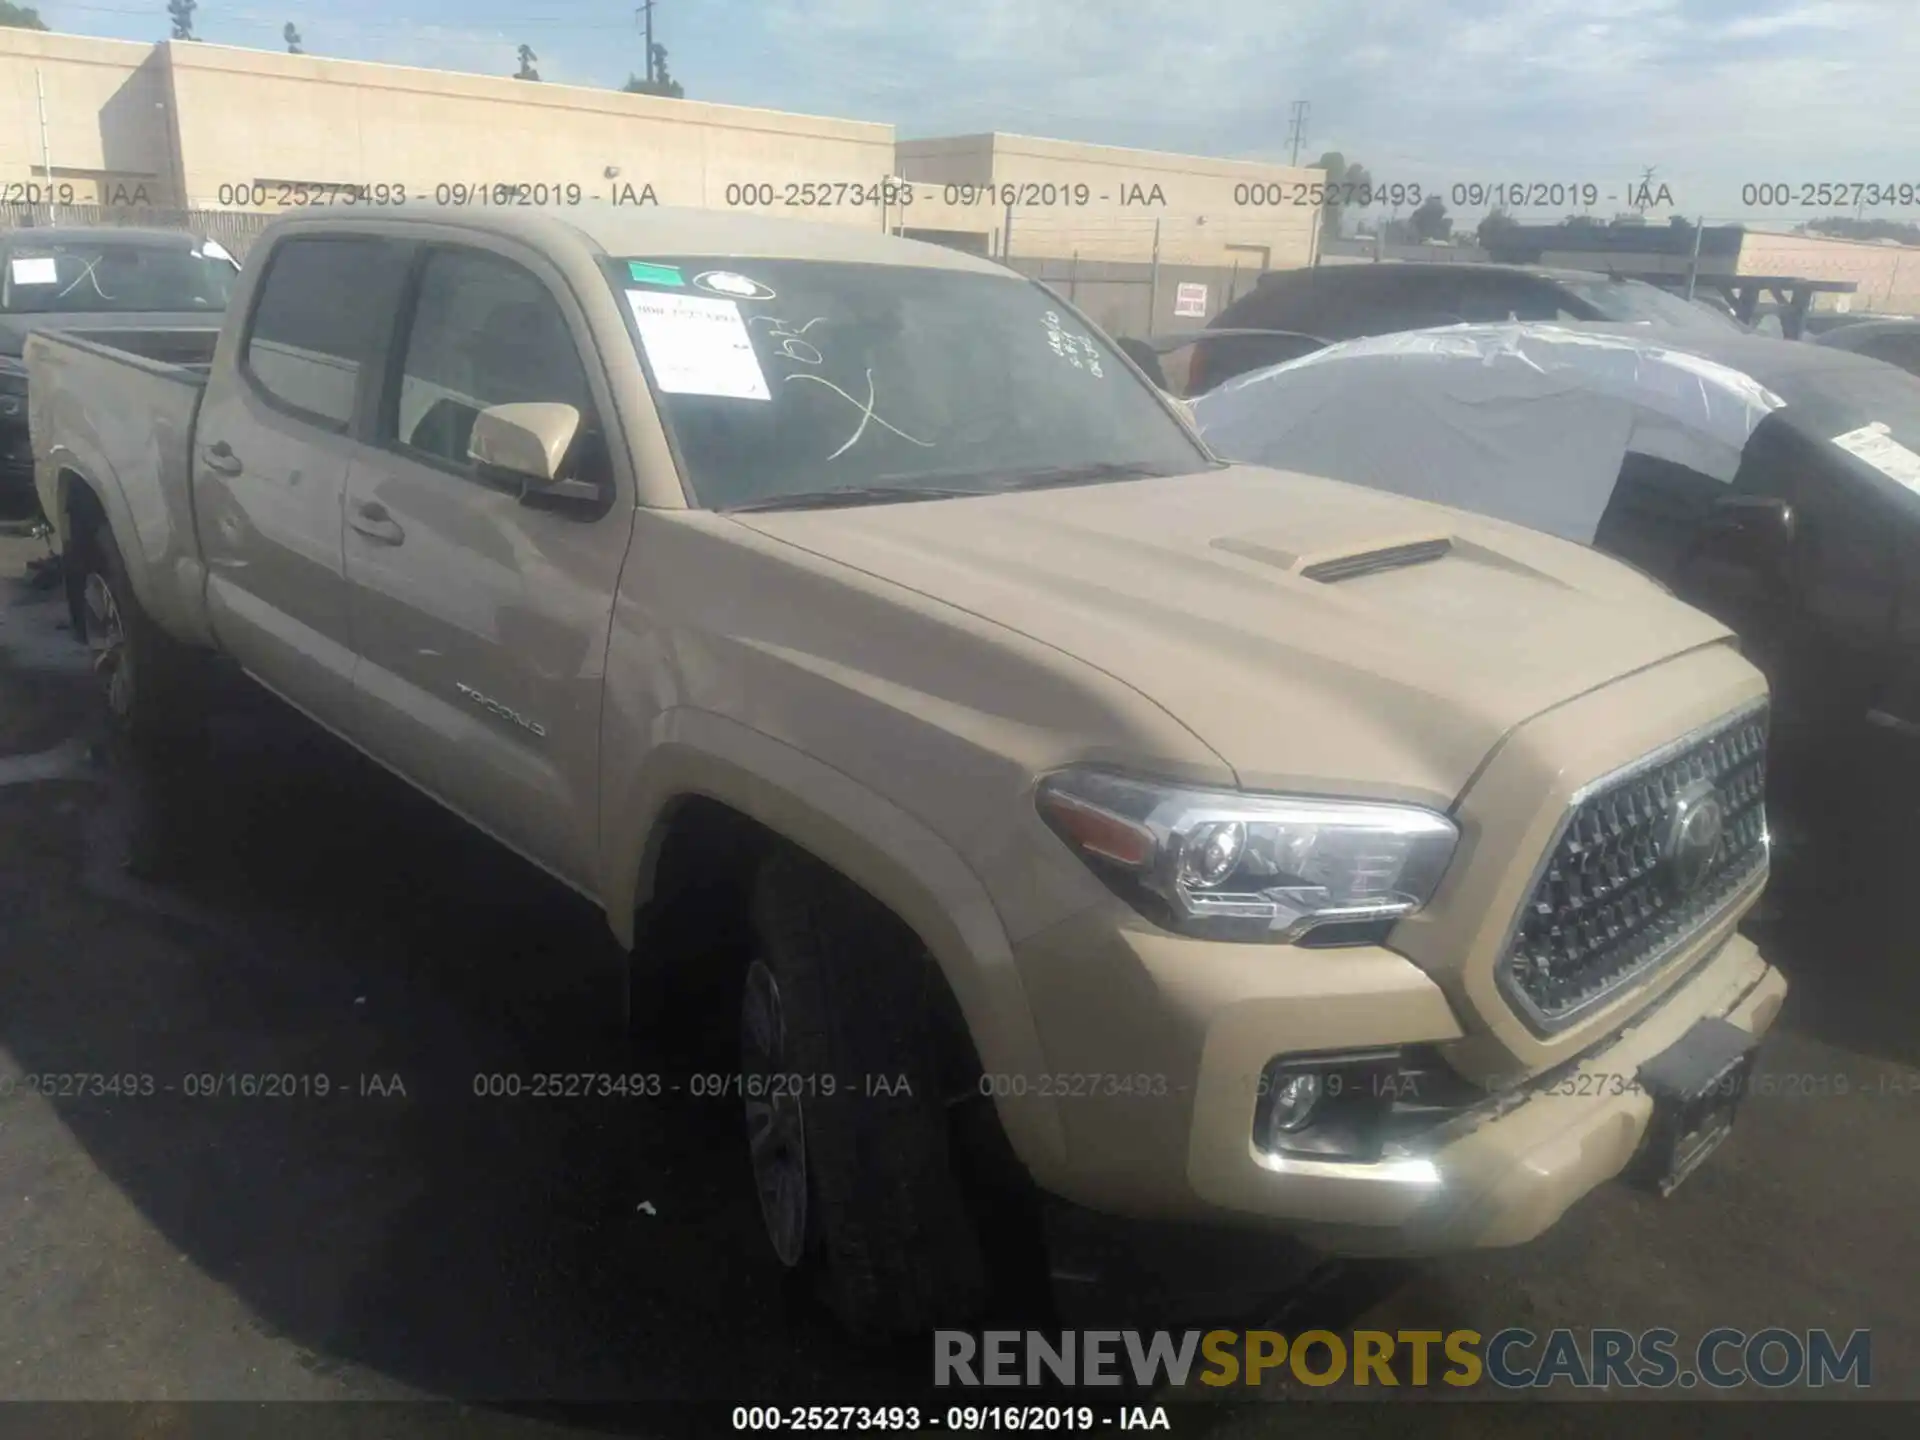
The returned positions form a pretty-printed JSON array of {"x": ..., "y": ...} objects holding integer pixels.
[
  {"x": 486, "y": 332},
  {"x": 323, "y": 310}
]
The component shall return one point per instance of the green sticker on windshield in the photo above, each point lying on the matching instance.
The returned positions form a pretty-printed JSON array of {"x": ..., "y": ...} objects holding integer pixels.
[{"x": 647, "y": 274}]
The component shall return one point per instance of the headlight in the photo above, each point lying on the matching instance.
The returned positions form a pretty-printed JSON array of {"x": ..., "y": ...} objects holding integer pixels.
[{"x": 1230, "y": 866}]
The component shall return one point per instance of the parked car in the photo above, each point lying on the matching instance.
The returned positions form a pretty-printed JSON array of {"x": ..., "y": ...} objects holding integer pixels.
[
  {"x": 1774, "y": 483},
  {"x": 1232, "y": 845},
  {"x": 1896, "y": 340},
  {"x": 99, "y": 279},
  {"x": 1348, "y": 302}
]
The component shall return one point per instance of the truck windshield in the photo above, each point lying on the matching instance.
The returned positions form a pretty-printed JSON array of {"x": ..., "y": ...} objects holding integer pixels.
[
  {"x": 112, "y": 278},
  {"x": 807, "y": 382}
]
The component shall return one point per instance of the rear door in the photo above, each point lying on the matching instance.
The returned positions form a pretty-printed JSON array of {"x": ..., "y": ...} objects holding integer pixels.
[
  {"x": 272, "y": 446},
  {"x": 482, "y": 620}
]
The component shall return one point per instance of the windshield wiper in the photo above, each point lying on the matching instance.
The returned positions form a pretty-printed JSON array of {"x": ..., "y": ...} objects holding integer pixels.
[
  {"x": 845, "y": 495},
  {"x": 1051, "y": 475}
]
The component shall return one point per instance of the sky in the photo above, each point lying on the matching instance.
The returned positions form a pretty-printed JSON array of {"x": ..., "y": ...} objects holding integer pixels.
[{"x": 1714, "y": 95}]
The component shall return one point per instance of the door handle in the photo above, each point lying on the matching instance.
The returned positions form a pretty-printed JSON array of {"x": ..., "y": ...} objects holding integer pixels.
[
  {"x": 219, "y": 458},
  {"x": 373, "y": 521}
]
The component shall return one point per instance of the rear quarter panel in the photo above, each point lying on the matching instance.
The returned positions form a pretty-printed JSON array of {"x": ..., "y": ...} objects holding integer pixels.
[{"x": 122, "y": 426}]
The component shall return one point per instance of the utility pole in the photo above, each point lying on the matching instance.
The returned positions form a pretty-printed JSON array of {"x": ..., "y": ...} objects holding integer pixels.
[
  {"x": 645, "y": 15},
  {"x": 1297, "y": 131}
]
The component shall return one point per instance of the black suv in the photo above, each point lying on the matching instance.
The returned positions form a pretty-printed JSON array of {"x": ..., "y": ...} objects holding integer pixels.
[{"x": 1345, "y": 302}]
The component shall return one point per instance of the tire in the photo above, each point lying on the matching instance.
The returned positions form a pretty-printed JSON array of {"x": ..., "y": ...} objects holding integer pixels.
[
  {"x": 149, "y": 679},
  {"x": 838, "y": 989}
]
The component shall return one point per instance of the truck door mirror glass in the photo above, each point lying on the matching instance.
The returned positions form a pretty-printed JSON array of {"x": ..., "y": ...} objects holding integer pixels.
[{"x": 527, "y": 441}]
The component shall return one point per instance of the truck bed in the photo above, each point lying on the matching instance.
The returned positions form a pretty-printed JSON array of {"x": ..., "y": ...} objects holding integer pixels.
[
  {"x": 190, "y": 350},
  {"x": 117, "y": 408}
]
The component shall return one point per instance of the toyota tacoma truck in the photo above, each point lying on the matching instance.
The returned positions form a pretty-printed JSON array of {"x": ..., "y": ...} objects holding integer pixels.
[{"x": 850, "y": 620}]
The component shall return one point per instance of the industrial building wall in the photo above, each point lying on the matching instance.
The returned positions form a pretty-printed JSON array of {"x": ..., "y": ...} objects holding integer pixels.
[
  {"x": 1888, "y": 275},
  {"x": 442, "y": 134},
  {"x": 106, "y": 126},
  {"x": 1032, "y": 197},
  {"x": 184, "y": 128}
]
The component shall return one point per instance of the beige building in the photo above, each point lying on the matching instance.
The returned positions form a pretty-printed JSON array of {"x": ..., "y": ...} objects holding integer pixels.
[
  {"x": 1888, "y": 275},
  {"x": 1021, "y": 196},
  {"x": 212, "y": 127}
]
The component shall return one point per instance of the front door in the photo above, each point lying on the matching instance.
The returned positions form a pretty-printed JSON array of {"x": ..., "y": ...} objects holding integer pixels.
[{"x": 482, "y": 621}]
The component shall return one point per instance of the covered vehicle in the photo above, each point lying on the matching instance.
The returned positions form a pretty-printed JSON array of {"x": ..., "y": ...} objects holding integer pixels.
[
  {"x": 1894, "y": 339},
  {"x": 108, "y": 281},
  {"x": 1773, "y": 483},
  {"x": 1350, "y": 302}
]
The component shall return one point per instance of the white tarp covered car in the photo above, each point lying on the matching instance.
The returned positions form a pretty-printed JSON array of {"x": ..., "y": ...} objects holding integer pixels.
[{"x": 1529, "y": 422}]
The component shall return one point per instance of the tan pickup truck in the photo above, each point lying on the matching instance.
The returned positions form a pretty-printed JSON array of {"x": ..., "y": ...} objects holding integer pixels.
[{"x": 1251, "y": 847}]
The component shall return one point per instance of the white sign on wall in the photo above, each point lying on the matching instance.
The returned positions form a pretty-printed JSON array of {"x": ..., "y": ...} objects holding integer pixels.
[{"x": 1190, "y": 299}]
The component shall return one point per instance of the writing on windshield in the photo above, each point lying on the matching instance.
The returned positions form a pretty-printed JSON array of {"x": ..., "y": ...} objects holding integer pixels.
[{"x": 788, "y": 378}]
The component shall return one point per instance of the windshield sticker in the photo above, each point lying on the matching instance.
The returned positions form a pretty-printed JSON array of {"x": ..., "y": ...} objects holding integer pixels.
[
  {"x": 36, "y": 270},
  {"x": 645, "y": 274},
  {"x": 1875, "y": 444},
  {"x": 1078, "y": 350},
  {"x": 698, "y": 346},
  {"x": 214, "y": 250},
  {"x": 725, "y": 282}
]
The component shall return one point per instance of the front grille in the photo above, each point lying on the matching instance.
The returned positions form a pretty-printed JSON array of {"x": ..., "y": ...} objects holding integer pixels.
[{"x": 1623, "y": 887}]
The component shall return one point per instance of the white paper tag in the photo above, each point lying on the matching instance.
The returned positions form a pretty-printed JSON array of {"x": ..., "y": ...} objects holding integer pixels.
[
  {"x": 1875, "y": 444},
  {"x": 697, "y": 345},
  {"x": 36, "y": 270},
  {"x": 214, "y": 250}
]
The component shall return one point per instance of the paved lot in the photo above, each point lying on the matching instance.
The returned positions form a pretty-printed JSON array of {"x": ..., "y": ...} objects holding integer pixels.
[{"x": 283, "y": 908}]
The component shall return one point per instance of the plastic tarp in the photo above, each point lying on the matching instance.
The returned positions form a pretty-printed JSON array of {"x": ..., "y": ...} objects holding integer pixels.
[{"x": 1526, "y": 422}]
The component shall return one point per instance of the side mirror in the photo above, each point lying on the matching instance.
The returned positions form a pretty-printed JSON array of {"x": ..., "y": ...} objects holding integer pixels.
[{"x": 529, "y": 443}]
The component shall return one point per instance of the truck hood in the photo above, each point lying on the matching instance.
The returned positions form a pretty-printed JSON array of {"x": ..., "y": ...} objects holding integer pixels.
[
  {"x": 1317, "y": 636},
  {"x": 14, "y": 329}
]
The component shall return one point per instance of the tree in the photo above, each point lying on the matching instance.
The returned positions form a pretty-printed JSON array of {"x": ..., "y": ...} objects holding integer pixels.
[
  {"x": 1496, "y": 224},
  {"x": 20, "y": 17},
  {"x": 1344, "y": 181},
  {"x": 527, "y": 57},
  {"x": 1430, "y": 221},
  {"x": 661, "y": 84},
  {"x": 292, "y": 37},
  {"x": 181, "y": 12}
]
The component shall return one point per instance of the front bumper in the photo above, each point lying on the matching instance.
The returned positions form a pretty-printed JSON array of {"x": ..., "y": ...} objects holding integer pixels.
[{"x": 1197, "y": 1023}]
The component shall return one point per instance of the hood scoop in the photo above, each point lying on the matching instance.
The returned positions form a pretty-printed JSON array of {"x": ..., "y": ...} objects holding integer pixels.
[{"x": 1330, "y": 566}]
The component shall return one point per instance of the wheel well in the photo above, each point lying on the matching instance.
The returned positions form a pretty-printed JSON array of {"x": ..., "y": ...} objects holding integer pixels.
[
  {"x": 84, "y": 516},
  {"x": 704, "y": 862}
]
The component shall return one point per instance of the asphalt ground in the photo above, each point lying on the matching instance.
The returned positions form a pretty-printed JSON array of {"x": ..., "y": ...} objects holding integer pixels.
[{"x": 281, "y": 907}]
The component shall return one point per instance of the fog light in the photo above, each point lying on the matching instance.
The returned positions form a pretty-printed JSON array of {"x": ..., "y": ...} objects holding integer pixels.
[{"x": 1294, "y": 1099}]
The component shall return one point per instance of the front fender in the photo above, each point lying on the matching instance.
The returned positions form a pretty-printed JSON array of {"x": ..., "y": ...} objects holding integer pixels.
[{"x": 871, "y": 841}]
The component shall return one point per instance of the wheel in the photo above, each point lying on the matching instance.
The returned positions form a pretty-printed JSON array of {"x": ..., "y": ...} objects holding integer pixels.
[
  {"x": 147, "y": 676},
  {"x": 846, "y": 1080}
]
